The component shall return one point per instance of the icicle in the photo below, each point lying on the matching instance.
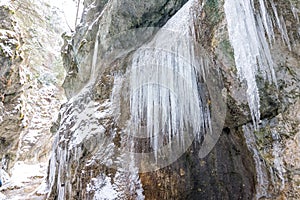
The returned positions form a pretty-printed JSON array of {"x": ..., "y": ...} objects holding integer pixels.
[
  {"x": 251, "y": 49},
  {"x": 277, "y": 154},
  {"x": 295, "y": 12},
  {"x": 281, "y": 25},
  {"x": 95, "y": 56},
  {"x": 52, "y": 166},
  {"x": 285, "y": 33},
  {"x": 266, "y": 20},
  {"x": 164, "y": 87},
  {"x": 243, "y": 37},
  {"x": 265, "y": 61}
]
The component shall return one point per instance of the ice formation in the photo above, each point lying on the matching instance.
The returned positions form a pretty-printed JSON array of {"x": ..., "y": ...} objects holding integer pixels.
[
  {"x": 167, "y": 100},
  {"x": 251, "y": 49},
  {"x": 278, "y": 157},
  {"x": 261, "y": 170}
]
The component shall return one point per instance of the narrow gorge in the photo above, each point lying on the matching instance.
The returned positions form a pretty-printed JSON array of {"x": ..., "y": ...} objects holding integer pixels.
[{"x": 165, "y": 99}]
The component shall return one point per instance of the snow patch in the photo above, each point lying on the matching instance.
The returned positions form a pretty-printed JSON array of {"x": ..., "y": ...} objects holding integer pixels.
[
  {"x": 2, "y": 196},
  {"x": 23, "y": 173},
  {"x": 102, "y": 188},
  {"x": 69, "y": 8},
  {"x": 4, "y": 2}
]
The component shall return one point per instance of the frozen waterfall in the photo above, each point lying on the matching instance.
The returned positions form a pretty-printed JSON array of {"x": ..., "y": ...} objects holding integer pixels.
[
  {"x": 168, "y": 101},
  {"x": 251, "y": 49}
]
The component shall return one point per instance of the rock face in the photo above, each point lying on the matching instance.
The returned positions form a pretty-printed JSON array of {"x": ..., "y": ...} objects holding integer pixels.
[
  {"x": 98, "y": 129},
  {"x": 30, "y": 74},
  {"x": 167, "y": 99},
  {"x": 11, "y": 119},
  {"x": 100, "y": 151}
]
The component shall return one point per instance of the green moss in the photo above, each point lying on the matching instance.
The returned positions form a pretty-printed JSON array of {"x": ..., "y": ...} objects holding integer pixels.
[
  {"x": 227, "y": 49},
  {"x": 264, "y": 138},
  {"x": 213, "y": 11},
  {"x": 209, "y": 19},
  {"x": 12, "y": 12}
]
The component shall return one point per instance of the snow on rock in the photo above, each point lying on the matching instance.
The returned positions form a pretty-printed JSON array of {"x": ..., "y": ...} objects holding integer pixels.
[
  {"x": 81, "y": 115},
  {"x": 8, "y": 42},
  {"x": 37, "y": 93},
  {"x": 25, "y": 177},
  {"x": 2, "y": 196},
  {"x": 23, "y": 173},
  {"x": 40, "y": 109},
  {"x": 102, "y": 188},
  {"x": 4, "y": 2}
]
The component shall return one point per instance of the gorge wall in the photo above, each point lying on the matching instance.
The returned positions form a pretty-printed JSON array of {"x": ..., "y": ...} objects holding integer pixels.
[
  {"x": 31, "y": 73},
  {"x": 133, "y": 129},
  {"x": 168, "y": 99}
]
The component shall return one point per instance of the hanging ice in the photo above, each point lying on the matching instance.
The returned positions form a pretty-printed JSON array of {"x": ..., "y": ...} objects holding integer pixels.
[
  {"x": 166, "y": 96},
  {"x": 251, "y": 49}
]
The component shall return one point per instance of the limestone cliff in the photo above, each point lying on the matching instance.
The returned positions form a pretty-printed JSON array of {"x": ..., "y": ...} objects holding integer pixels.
[
  {"x": 31, "y": 73},
  {"x": 166, "y": 99},
  {"x": 98, "y": 146}
]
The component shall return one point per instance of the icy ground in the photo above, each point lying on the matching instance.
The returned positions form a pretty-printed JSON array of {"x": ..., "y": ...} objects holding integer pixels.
[{"x": 24, "y": 179}]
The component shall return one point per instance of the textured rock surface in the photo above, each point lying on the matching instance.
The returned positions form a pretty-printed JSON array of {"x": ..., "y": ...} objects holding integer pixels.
[
  {"x": 10, "y": 118},
  {"x": 31, "y": 72},
  {"x": 278, "y": 132},
  {"x": 92, "y": 151},
  {"x": 92, "y": 131}
]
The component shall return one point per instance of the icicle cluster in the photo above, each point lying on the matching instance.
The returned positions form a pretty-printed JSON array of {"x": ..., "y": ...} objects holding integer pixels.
[
  {"x": 167, "y": 102},
  {"x": 251, "y": 48}
]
